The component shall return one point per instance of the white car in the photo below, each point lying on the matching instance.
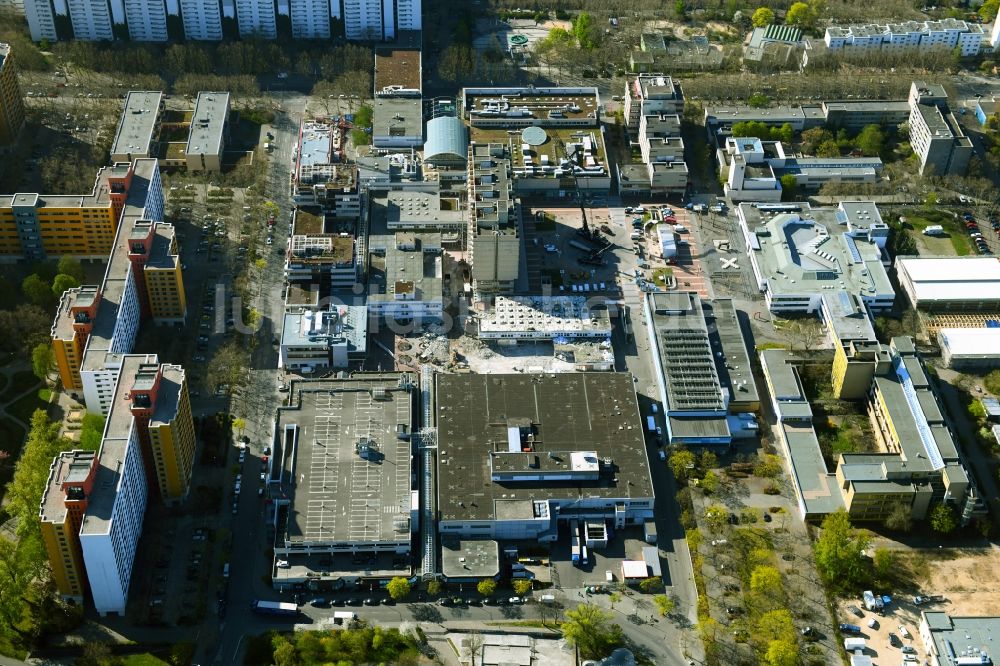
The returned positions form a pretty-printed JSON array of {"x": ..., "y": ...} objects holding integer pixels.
[
  {"x": 269, "y": 241},
  {"x": 549, "y": 247},
  {"x": 282, "y": 564},
  {"x": 516, "y": 600}
]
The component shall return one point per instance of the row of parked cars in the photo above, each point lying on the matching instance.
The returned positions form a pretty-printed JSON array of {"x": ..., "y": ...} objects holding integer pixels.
[{"x": 972, "y": 226}]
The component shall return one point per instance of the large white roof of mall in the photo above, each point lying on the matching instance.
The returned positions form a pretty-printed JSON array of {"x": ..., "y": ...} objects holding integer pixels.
[{"x": 953, "y": 278}]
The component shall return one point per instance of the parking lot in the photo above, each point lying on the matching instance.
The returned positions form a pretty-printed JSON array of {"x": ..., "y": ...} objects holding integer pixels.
[{"x": 884, "y": 638}]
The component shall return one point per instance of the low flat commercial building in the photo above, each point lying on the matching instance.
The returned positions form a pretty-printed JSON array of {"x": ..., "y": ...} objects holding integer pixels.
[
  {"x": 799, "y": 253},
  {"x": 917, "y": 463},
  {"x": 850, "y": 115},
  {"x": 398, "y": 73},
  {"x": 970, "y": 348},
  {"x": 774, "y": 45},
  {"x": 397, "y": 123},
  {"x": 732, "y": 358},
  {"x": 405, "y": 277},
  {"x": 755, "y": 168},
  {"x": 465, "y": 561},
  {"x": 543, "y": 318},
  {"x": 519, "y": 454},
  {"x": 552, "y": 136},
  {"x": 694, "y": 402},
  {"x": 493, "y": 237},
  {"x": 321, "y": 175},
  {"x": 648, "y": 94},
  {"x": 322, "y": 251},
  {"x": 138, "y": 127},
  {"x": 950, "y": 284},
  {"x": 415, "y": 210},
  {"x": 950, "y": 640},
  {"x": 209, "y": 132},
  {"x": 340, "y": 474},
  {"x": 322, "y": 339},
  {"x": 935, "y": 134}
]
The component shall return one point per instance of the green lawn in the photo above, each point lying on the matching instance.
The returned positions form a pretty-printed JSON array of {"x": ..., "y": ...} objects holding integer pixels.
[
  {"x": 955, "y": 232},
  {"x": 21, "y": 382},
  {"x": 144, "y": 659},
  {"x": 26, "y": 406}
]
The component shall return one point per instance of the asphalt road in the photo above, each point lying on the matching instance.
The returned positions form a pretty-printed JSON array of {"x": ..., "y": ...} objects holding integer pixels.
[{"x": 222, "y": 635}]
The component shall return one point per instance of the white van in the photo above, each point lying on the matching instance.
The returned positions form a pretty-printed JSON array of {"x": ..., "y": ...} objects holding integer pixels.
[{"x": 636, "y": 235}]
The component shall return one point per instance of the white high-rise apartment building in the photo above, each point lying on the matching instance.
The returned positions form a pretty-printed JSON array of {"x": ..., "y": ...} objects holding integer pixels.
[
  {"x": 41, "y": 17},
  {"x": 311, "y": 19},
  {"x": 112, "y": 524},
  {"x": 91, "y": 20},
  {"x": 12, "y": 6},
  {"x": 256, "y": 18},
  {"x": 202, "y": 20},
  {"x": 408, "y": 15},
  {"x": 363, "y": 19},
  {"x": 147, "y": 20}
]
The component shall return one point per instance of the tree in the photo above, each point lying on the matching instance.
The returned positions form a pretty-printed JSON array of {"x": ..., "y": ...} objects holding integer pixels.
[
  {"x": 664, "y": 604},
  {"x": 473, "y": 645},
  {"x": 586, "y": 31},
  {"x": 883, "y": 562},
  {"x": 899, "y": 518},
  {"x": 681, "y": 463},
  {"x": 487, "y": 587},
  {"x": 988, "y": 10},
  {"x": 37, "y": 290},
  {"x": 768, "y": 466},
  {"x": 776, "y": 625},
  {"x": 651, "y": 584},
  {"x": 398, "y": 588},
  {"x": 708, "y": 460},
  {"x": 785, "y": 133},
  {"x": 680, "y": 8},
  {"x": 813, "y": 138},
  {"x": 710, "y": 482},
  {"x": 762, "y": 17},
  {"x": 758, "y": 100},
  {"x": 840, "y": 553},
  {"x": 522, "y": 586},
  {"x": 930, "y": 200},
  {"x": 992, "y": 382},
  {"x": 24, "y": 328},
  {"x": 434, "y": 588},
  {"x": 789, "y": 186},
  {"x": 63, "y": 282},
  {"x": 800, "y": 14},
  {"x": 943, "y": 519},
  {"x": 42, "y": 360},
  {"x": 781, "y": 653},
  {"x": 828, "y": 148},
  {"x": 765, "y": 581},
  {"x": 239, "y": 425},
  {"x": 592, "y": 630},
  {"x": 716, "y": 516},
  {"x": 871, "y": 140},
  {"x": 71, "y": 266}
]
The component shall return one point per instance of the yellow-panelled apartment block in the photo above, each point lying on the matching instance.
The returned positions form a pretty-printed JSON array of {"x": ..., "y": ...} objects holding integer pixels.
[
  {"x": 11, "y": 101},
  {"x": 162, "y": 411},
  {"x": 71, "y": 480},
  {"x": 36, "y": 226}
]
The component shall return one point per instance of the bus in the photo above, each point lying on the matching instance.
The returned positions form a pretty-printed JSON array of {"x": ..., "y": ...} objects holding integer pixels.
[
  {"x": 574, "y": 534},
  {"x": 274, "y": 608}
]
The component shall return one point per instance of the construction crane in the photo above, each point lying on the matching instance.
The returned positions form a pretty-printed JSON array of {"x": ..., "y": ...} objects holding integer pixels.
[{"x": 585, "y": 229}]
